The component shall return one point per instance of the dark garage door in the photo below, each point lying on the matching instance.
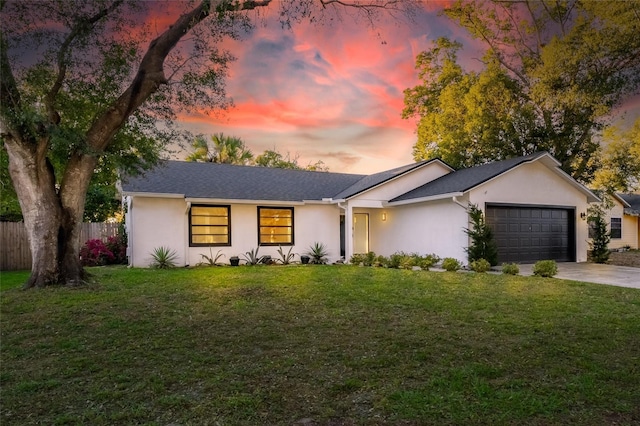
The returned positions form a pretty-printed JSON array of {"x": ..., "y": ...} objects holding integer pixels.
[{"x": 528, "y": 234}]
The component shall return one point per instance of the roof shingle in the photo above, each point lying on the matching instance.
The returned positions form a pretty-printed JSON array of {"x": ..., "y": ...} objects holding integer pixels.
[{"x": 225, "y": 181}]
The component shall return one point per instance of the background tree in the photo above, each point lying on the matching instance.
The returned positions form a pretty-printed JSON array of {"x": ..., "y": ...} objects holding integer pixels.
[
  {"x": 620, "y": 170},
  {"x": 552, "y": 73},
  {"x": 272, "y": 158},
  {"x": 99, "y": 85},
  {"x": 9, "y": 205},
  {"x": 220, "y": 149}
]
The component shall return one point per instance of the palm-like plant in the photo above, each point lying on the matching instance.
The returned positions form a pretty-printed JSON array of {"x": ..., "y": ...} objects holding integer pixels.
[
  {"x": 222, "y": 149},
  {"x": 318, "y": 253},
  {"x": 163, "y": 258}
]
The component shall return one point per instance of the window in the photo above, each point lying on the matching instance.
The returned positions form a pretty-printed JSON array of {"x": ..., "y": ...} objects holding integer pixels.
[
  {"x": 275, "y": 226},
  {"x": 616, "y": 227},
  {"x": 210, "y": 226}
]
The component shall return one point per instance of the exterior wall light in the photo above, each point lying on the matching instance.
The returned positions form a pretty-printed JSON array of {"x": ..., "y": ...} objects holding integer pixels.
[
  {"x": 583, "y": 216},
  {"x": 384, "y": 216}
]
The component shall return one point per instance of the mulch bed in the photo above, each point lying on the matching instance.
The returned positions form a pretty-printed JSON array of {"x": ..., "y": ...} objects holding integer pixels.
[{"x": 627, "y": 258}]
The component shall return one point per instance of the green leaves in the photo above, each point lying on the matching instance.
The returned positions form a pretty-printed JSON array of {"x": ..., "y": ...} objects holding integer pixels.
[{"x": 553, "y": 73}]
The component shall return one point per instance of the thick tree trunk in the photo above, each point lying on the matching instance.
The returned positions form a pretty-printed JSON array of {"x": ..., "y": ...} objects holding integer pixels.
[{"x": 52, "y": 229}]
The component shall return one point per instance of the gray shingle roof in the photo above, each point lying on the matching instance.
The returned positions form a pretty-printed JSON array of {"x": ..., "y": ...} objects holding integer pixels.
[
  {"x": 465, "y": 179},
  {"x": 231, "y": 182},
  {"x": 224, "y": 181}
]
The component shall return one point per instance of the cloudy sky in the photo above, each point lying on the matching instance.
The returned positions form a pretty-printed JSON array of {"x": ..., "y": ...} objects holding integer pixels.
[{"x": 333, "y": 92}]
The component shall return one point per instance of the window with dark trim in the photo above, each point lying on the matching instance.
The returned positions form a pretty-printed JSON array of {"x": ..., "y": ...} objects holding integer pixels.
[
  {"x": 209, "y": 226},
  {"x": 275, "y": 226},
  {"x": 616, "y": 227}
]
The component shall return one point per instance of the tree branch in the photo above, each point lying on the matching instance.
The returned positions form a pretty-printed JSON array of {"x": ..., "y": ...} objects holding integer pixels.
[
  {"x": 9, "y": 94},
  {"x": 81, "y": 26},
  {"x": 150, "y": 75},
  {"x": 390, "y": 4}
]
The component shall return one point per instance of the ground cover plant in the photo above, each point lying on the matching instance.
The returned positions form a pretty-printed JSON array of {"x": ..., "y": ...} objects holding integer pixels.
[{"x": 340, "y": 345}]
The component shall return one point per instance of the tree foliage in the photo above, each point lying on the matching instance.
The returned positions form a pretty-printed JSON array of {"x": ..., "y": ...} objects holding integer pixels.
[
  {"x": 9, "y": 205},
  {"x": 221, "y": 149},
  {"x": 273, "y": 158},
  {"x": 620, "y": 170},
  {"x": 552, "y": 74}
]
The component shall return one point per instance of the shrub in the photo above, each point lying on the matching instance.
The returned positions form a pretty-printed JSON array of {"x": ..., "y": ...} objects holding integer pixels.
[
  {"x": 482, "y": 245},
  {"x": 318, "y": 254},
  {"x": 211, "y": 260},
  {"x": 394, "y": 260},
  {"x": 285, "y": 258},
  {"x": 450, "y": 264},
  {"x": 402, "y": 260},
  {"x": 381, "y": 261},
  {"x": 118, "y": 246},
  {"x": 427, "y": 261},
  {"x": 480, "y": 265},
  {"x": 251, "y": 257},
  {"x": 95, "y": 253},
  {"x": 510, "y": 269},
  {"x": 545, "y": 268},
  {"x": 601, "y": 236},
  {"x": 163, "y": 258},
  {"x": 368, "y": 259}
]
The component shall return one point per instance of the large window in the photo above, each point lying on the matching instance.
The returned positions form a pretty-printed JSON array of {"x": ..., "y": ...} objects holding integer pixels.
[
  {"x": 616, "y": 227},
  {"x": 210, "y": 226},
  {"x": 275, "y": 226}
]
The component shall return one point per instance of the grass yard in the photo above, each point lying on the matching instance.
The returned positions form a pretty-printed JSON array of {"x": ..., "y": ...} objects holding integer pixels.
[{"x": 327, "y": 345}]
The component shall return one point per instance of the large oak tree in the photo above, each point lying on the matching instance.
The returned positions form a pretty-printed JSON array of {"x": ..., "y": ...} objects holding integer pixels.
[
  {"x": 90, "y": 81},
  {"x": 553, "y": 73}
]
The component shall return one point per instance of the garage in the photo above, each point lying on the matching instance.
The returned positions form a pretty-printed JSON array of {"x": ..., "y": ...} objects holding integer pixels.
[{"x": 526, "y": 234}]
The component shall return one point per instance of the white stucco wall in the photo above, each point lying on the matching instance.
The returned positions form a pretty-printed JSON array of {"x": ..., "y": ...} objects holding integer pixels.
[
  {"x": 536, "y": 184},
  {"x": 154, "y": 222},
  {"x": 432, "y": 227},
  {"x": 402, "y": 184}
]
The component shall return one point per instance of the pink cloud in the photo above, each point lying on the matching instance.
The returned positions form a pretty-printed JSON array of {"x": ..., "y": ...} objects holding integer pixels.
[{"x": 327, "y": 92}]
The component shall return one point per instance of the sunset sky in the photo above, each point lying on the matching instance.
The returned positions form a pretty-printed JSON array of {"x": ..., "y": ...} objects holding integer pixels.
[{"x": 333, "y": 92}]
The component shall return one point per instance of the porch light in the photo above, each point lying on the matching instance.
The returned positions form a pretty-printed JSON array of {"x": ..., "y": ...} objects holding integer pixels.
[
  {"x": 583, "y": 216},
  {"x": 384, "y": 216}
]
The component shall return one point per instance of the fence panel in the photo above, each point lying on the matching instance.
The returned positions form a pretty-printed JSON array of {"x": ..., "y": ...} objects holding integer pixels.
[{"x": 15, "y": 253}]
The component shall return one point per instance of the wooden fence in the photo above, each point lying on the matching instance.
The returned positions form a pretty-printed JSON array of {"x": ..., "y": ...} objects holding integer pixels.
[{"x": 15, "y": 253}]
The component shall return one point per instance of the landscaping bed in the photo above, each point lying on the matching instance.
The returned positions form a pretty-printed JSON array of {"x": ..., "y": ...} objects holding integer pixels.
[
  {"x": 625, "y": 258},
  {"x": 339, "y": 345}
]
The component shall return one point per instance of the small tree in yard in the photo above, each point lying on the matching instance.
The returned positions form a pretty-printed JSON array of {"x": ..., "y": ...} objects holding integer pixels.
[
  {"x": 482, "y": 246},
  {"x": 600, "y": 235}
]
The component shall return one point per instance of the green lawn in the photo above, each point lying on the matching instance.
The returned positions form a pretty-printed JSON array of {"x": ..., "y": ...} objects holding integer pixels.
[{"x": 340, "y": 345}]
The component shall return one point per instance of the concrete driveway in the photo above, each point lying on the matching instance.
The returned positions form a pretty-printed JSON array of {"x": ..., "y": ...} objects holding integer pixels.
[{"x": 622, "y": 276}]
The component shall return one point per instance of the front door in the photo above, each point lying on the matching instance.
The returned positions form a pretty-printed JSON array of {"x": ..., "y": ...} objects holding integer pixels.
[{"x": 360, "y": 232}]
